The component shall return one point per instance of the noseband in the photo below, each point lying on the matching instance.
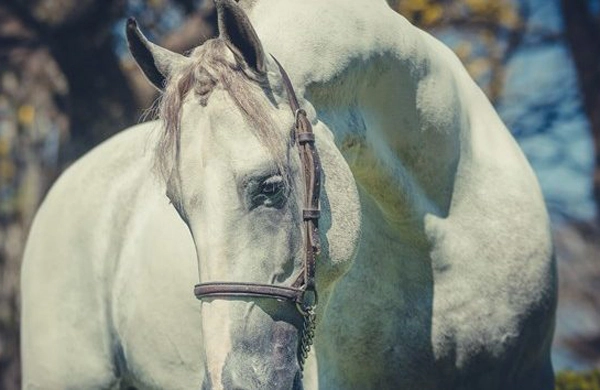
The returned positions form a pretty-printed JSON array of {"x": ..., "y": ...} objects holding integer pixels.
[{"x": 302, "y": 292}]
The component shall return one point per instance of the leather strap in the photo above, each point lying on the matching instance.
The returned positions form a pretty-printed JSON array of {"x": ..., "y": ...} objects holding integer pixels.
[
  {"x": 312, "y": 175},
  {"x": 251, "y": 290}
]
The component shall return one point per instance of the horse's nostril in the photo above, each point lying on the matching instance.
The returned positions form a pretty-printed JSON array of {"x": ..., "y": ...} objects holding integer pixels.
[
  {"x": 297, "y": 382},
  {"x": 206, "y": 384}
]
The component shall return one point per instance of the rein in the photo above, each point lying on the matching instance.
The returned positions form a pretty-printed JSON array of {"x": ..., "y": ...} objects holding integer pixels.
[{"x": 302, "y": 292}]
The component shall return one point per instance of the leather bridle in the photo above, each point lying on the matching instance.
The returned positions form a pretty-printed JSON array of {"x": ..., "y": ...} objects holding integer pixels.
[{"x": 302, "y": 292}]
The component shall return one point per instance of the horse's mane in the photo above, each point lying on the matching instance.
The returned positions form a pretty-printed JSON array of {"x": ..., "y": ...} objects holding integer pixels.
[{"x": 213, "y": 66}]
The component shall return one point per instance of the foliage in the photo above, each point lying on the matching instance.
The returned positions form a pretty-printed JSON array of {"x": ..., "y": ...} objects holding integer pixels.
[
  {"x": 572, "y": 380},
  {"x": 489, "y": 32},
  {"x": 433, "y": 13}
]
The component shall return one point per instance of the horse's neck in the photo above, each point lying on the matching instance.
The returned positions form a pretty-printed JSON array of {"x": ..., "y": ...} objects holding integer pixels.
[
  {"x": 388, "y": 92},
  {"x": 402, "y": 127},
  {"x": 397, "y": 137}
]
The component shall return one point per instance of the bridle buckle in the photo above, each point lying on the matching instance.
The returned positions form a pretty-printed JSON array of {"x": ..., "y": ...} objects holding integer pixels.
[
  {"x": 297, "y": 114},
  {"x": 306, "y": 306}
]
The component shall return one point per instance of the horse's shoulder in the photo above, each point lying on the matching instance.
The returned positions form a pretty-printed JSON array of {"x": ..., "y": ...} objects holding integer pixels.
[
  {"x": 115, "y": 155},
  {"x": 493, "y": 266},
  {"x": 98, "y": 170},
  {"x": 92, "y": 193}
]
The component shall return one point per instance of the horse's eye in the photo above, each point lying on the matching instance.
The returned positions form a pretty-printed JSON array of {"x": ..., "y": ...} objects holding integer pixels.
[
  {"x": 271, "y": 186},
  {"x": 271, "y": 192}
]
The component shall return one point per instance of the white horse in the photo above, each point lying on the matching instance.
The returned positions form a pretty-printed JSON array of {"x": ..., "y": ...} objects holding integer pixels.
[{"x": 436, "y": 268}]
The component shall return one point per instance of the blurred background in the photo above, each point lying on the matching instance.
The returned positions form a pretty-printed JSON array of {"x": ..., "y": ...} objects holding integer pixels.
[{"x": 67, "y": 83}]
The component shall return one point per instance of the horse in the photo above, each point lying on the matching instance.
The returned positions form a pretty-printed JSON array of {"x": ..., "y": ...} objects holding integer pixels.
[{"x": 430, "y": 248}]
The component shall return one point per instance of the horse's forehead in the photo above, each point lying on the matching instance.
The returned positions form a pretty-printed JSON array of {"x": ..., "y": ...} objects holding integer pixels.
[{"x": 225, "y": 137}]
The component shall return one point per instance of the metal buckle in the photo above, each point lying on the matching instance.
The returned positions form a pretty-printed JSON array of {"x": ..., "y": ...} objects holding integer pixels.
[
  {"x": 305, "y": 306},
  {"x": 298, "y": 112}
]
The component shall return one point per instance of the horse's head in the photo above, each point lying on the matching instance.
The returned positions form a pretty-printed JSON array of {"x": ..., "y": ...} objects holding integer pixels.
[{"x": 234, "y": 174}]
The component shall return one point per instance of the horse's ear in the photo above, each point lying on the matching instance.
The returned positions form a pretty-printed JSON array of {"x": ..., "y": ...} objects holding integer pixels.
[
  {"x": 235, "y": 27},
  {"x": 156, "y": 62}
]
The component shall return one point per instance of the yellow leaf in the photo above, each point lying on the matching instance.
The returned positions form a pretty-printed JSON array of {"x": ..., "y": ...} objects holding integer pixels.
[
  {"x": 478, "y": 67},
  {"x": 464, "y": 50},
  {"x": 508, "y": 17},
  {"x": 477, "y": 6},
  {"x": 4, "y": 147},
  {"x": 432, "y": 14},
  {"x": 415, "y": 5},
  {"x": 157, "y": 3},
  {"x": 26, "y": 114},
  {"x": 7, "y": 169}
]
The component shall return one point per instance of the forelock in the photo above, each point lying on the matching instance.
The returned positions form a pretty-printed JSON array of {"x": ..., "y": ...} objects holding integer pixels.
[{"x": 216, "y": 65}]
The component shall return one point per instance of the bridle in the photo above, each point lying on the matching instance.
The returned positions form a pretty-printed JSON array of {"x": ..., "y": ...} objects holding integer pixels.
[{"x": 302, "y": 292}]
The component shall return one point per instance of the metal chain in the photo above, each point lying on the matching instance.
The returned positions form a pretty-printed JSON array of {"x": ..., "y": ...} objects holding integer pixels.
[{"x": 308, "y": 334}]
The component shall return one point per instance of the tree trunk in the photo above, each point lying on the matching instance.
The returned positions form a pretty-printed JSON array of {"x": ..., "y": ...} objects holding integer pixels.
[
  {"x": 62, "y": 91},
  {"x": 100, "y": 102},
  {"x": 582, "y": 31},
  {"x": 78, "y": 34}
]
